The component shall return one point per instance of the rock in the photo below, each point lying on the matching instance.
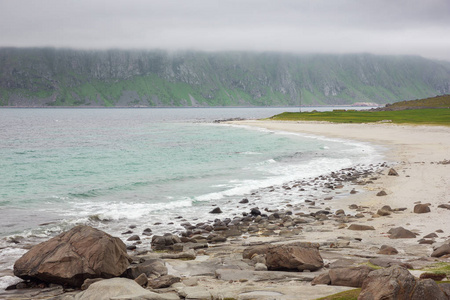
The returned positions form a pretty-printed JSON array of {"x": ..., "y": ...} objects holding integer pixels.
[
  {"x": 255, "y": 212},
  {"x": 428, "y": 289},
  {"x": 292, "y": 257},
  {"x": 360, "y": 227},
  {"x": 352, "y": 277},
  {"x": 441, "y": 251},
  {"x": 244, "y": 201},
  {"x": 339, "y": 212},
  {"x": 120, "y": 289},
  {"x": 387, "y": 250},
  {"x": 430, "y": 236},
  {"x": 386, "y": 208},
  {"x": 401, "y": 233},
  {"x": 383, "y": 213},
  {"x": 151, "y": 268},
  {"x": 134, "y": 238},
  {"x": 392, "y": 283},
  {"x": 73, "y": 256},
  {"x": 422, "y": 208},
  {"x": 216, "y": 210},
  {"x": 381, "y": 193},
  {"x": 260, "y": 267},
  {"x": 392, "y": 172},
  {"x": 446, "y": 206},
  {"x": 165, "y": 242},
  {"x": 386, "y": 263},
  {"x": 142, "y": 280},
  {"x": 163, "y": 282},
  {"x": 445, "y": 287},
  {"x": 87, "y": 283},
  {"x": 321, "y": 279}
]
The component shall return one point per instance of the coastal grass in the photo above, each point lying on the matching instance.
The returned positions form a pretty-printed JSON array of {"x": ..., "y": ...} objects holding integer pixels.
[
  {"x": 347, "y": 295},
  {"x": 439, "y": 116},
  {"x": 440, "y": 267}
]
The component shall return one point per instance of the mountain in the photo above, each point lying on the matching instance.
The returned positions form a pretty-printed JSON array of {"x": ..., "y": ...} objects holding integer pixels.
[{"x": 65, "y": 77}]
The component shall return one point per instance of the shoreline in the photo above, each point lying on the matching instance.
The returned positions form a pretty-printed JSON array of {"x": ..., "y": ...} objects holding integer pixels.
[{"x": 416, "y": 151}]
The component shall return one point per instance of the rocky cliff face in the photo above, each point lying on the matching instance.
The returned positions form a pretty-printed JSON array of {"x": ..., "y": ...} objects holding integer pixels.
[{"x": 50, "y": 77}]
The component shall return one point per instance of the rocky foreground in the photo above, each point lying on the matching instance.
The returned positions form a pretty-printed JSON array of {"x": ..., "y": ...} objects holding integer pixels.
[{"x": 294, "y": 252}]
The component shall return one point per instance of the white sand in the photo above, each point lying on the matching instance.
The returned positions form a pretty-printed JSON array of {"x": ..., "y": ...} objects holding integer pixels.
[{"x": 416, "y": 149}]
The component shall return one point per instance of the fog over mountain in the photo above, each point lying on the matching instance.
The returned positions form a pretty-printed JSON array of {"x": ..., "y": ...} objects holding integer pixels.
[
  {"x": 411, "y": 27},
  {"x": 50, "y": 77}
]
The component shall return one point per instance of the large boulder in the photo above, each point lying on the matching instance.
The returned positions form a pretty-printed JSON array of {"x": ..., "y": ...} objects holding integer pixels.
[
  {"x": 398, "y": 283},
  {"x": 297, "y": 256},
  {"x": 293, "y": 258},
  {"x": 353, "y": 277},
  {"x": 73, "y": 256}
]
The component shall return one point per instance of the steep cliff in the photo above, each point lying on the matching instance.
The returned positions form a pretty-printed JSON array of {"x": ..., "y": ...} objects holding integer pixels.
[{"x": 64, "y": 77}]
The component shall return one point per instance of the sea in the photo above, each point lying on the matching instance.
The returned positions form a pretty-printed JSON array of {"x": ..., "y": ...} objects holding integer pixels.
[{"x": 147, "y": 168}]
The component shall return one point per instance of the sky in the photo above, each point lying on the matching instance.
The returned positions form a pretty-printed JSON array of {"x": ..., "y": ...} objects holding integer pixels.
[{"x": 411, "y": 27}]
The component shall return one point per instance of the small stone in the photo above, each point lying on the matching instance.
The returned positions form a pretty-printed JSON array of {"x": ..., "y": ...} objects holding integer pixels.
[
  {"x": 244, "y": 201},
  {"x": 134, "y": 238},
  {"x": 392, "y": 172},
  {"x": 381, "y": 193},
  {"x": 422, "y": 208},
  {"x": 360, "y": 227},
  {"x": 216, "y": 210},
  {"x": 431, "y": 235},
  {"x": 387, "y": 250}
]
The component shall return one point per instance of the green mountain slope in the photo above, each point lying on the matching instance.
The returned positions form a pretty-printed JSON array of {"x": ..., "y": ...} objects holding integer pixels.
[{"x": 64, "y": 77}]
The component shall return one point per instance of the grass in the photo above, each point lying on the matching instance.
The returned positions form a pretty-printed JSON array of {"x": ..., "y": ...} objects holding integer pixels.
[
  {"x": 412, "y": 116},
  {"x": 347, "y": 295},
  {"x": 435, "y": 102},
  {"x": 440, "y": 267}
]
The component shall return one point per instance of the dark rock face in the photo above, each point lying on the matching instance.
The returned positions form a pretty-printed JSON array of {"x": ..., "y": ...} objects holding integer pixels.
[
  {"x": 216, "y": 210},
  {"x": 73, "y": 256},
  {"x": 421, "y": 208},
  {"x": 397, "y": 283}
]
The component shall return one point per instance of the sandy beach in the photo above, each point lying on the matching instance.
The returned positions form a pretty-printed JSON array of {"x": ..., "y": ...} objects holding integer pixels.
[
  {"x": 420, "y": 156},
  {"x": 415, "y": 152}
]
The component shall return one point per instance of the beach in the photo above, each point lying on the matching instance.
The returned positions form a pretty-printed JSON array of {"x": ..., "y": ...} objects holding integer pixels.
[{"x": 419, "y": 154}]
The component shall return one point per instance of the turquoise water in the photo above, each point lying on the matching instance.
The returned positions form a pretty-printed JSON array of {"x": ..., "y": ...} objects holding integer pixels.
[
  {"x": 112, "y": 168},
  {"x": 62, "y": 167}
]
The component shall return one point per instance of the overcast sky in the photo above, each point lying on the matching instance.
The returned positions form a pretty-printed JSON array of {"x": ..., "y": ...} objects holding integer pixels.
[{"x": 418, "y": 27}]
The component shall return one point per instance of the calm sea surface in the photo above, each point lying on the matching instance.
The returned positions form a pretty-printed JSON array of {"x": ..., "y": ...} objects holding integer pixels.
[{"x": 116, "y": 167}]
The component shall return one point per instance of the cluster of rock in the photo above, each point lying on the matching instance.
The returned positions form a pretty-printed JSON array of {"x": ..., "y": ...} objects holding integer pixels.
[{"x": 98, "y": 266}]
